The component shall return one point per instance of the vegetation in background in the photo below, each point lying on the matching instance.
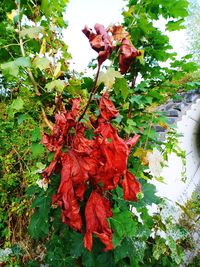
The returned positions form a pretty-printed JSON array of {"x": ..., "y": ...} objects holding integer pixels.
[{"x": 39, "y": 86}]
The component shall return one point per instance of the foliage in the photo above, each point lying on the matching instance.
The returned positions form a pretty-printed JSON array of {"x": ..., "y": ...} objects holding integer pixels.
[
  {"x": 39, "y": 90},
  {"x": 192, "y": 29}
]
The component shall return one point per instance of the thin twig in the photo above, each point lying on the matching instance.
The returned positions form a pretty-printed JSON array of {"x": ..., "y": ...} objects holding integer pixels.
[
  {"x": 92, "y": 92},
  {"x": 30, "y": 74},
  {"x": 48, "y": 123}
]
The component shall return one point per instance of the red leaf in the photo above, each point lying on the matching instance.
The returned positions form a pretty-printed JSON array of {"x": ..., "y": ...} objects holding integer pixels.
[
  {"x": 96, "y": 213},
  {"x": 133, "y": 141},
  {"x": 127, "y": 55},
  {"x": 99, "y": 41},
  {"x": 130, "y": 186},
  {"x": 114, "y": 155},
  {"x": 66, "y": 197},
  {"x": 107, "y": 108}
]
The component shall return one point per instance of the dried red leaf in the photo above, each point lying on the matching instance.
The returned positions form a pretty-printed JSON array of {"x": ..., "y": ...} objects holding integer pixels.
[
  {"x": 96, "y": 213},
  {"x": 99, "y": 41},
  {"x": 107, "y": 108},
  {"x": 113, "y": 148},
  {"x": 130, "y": 186},
  {"x": 127, "y": 54},
  {"x": 100, "y": 162},
  {"x": 118, "y": 32},
  {"x": 133, "y": 141},
  {"x": 66, "y": 198}
]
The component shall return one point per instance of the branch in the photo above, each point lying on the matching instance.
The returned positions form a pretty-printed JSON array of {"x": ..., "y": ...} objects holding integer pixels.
[
  {"x": 48, "y": 123},
  {"x": 30, "y": 74},
  {"x": 92, "y": 93}
]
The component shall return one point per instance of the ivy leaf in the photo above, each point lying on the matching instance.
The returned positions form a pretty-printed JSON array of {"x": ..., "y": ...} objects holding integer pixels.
[
  {"x": 121, "y": 86},
  {"x": 41, "y": 62},
  {"x": 58, "y": 85},
  {"x": 17, "y": 104}
]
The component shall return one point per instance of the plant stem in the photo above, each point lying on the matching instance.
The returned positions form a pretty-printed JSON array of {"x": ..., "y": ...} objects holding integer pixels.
[
  {"x": 48, "y": 123},
  {"x": 30, "y": 74},
  {"x": 92, "y": 93}
]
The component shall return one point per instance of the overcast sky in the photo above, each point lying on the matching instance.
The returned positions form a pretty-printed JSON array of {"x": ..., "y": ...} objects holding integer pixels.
[{"x": 88, "y": 12}]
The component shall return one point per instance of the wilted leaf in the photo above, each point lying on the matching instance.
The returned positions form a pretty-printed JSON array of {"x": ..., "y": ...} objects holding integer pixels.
[
  {"x": 12, "y": 67},
  {"x": 12, "y": 14},
  {"x": 32, "y": 32},
  {"x": 58, "y": 85},
  {"x": 142, "y": 155},
  {"x": 108, "y": 77},
  {"x": 41, "y": 62},
  {"x": 57, "y": 71}
]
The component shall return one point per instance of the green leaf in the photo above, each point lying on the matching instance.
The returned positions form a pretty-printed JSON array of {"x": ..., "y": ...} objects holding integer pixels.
[
  {"x": 36, "y": 135},
  {"x": 16, "y": 106},
  {"x": 121, "y": 86},
  {"x": 108, "y": 77},
  {"x": 175, "y": 25},
  {"x": 131, "y": 248},
  {"x": 189, "y": 67},
  {"x": 37, "y": 150},
  {"x": 23, "y": 62},
  {"x": 105, "y": 259},
  {"x": 88, "y": 259},
  {"x": 159, "y": 248},
  {"x": 130, "y": 126},
  {"x": 148, "y": 191},
  {"x": 40, "y": 217},
  {"x": 12, "y": 67},
  {"x": 76, "y": 248},
  {"x": 58, "y": 85},
  {"x": 45, "y": 7},
  {"x": 41, "y": 62},
  {"x": 123, "y": 225}
]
